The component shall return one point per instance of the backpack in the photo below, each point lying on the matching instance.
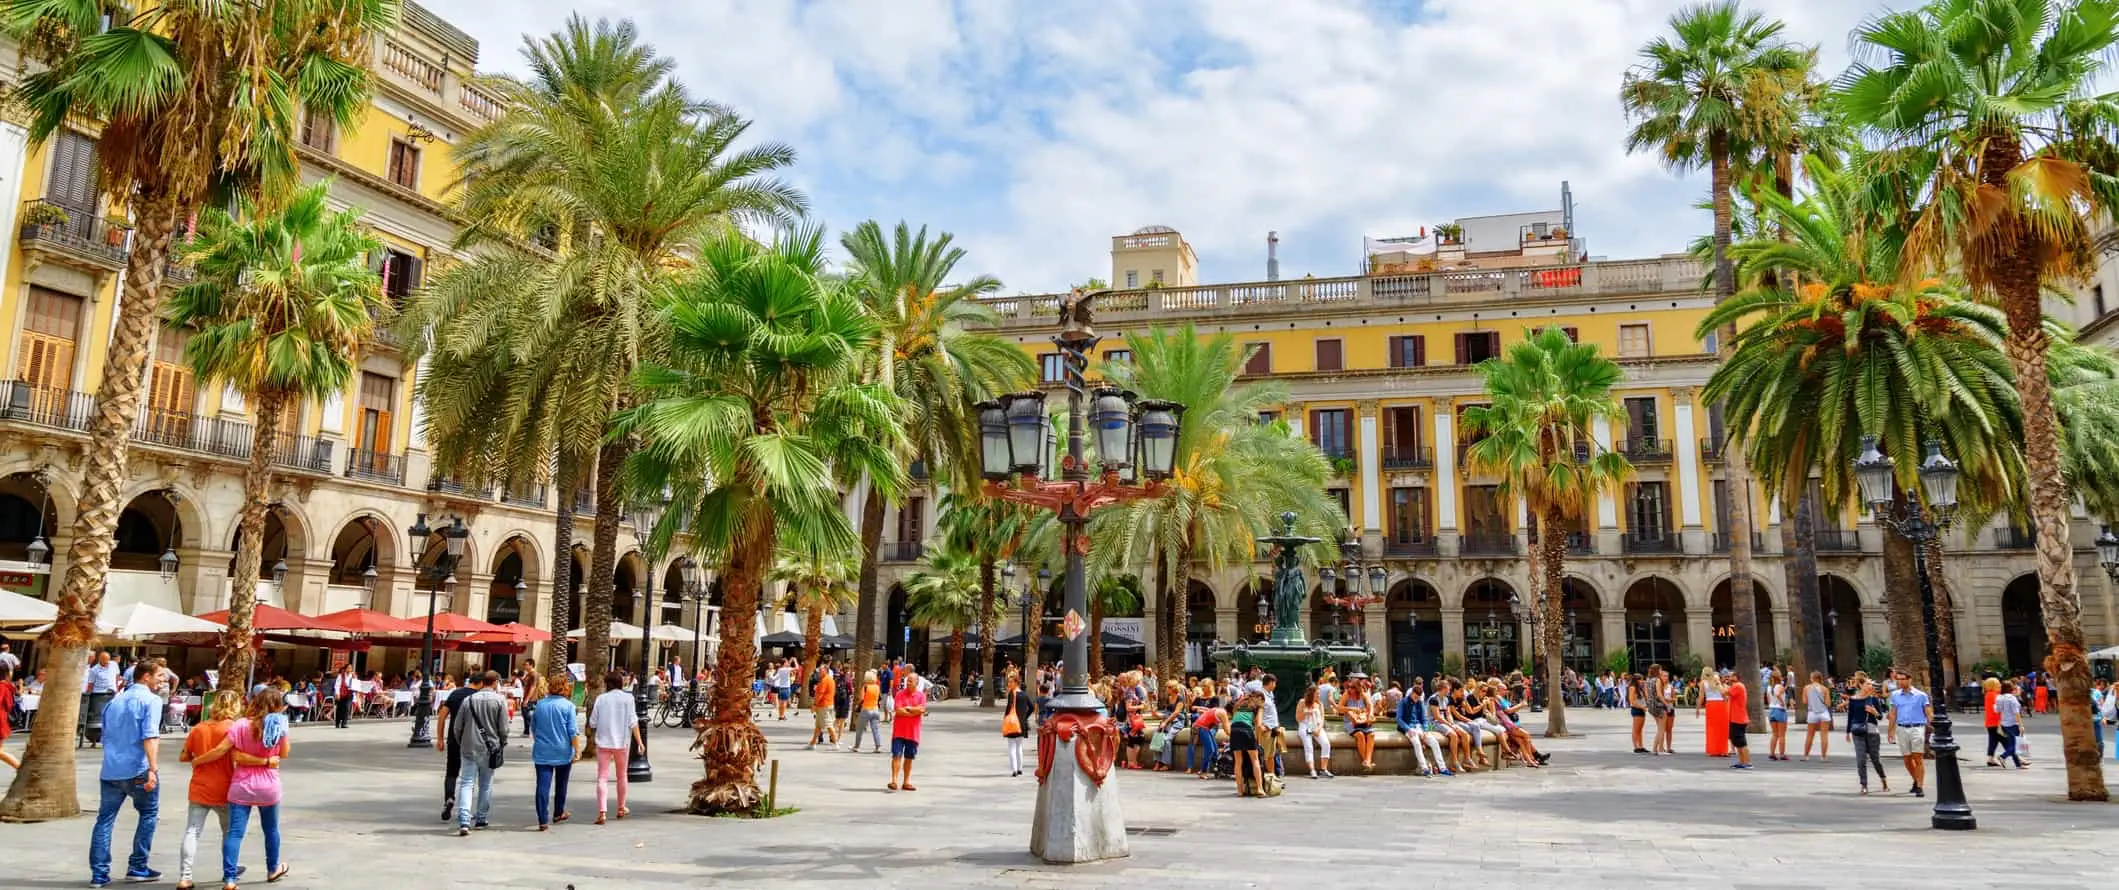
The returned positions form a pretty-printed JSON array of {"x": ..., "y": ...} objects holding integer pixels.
[{"x": 1273, "y": 786}]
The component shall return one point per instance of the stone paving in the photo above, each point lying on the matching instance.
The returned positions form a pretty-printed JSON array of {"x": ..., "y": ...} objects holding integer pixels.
[{"x": 362, "y": 811}]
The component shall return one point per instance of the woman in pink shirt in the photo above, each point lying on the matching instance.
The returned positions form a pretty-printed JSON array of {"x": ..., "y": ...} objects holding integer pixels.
[{"x": 256, "y": 744}]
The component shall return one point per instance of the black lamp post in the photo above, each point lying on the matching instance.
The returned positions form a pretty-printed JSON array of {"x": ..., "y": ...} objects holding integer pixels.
[
  {"x": 694, "y": 592},
  {"x": 1873, "y": 470},
  {"x": 2108, "y": 553},
  {"x": 1353, "y": 585},
  {"x": 637, "y": 769},
  {"x": 441, "y": 577},
  {"x": 1530, "y": 614}
]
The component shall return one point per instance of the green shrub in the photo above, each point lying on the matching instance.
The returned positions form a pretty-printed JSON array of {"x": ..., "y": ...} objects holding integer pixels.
[
  {"x": 1453, "y": 664},
  {"x": 1876, "y": 659},
  {"x": 1618, "y": 661}
]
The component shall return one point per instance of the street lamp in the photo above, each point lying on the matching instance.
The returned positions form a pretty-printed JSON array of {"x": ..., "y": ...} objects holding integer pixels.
[
  {"x": 441, "y": 577},
  {"x": 637, "y": 768},
  {"x": 279, "y": 575},
  {"x": 1354, "y": 586},
  {"x": 2108, "y": 553},
  {"x": 1873, "y": 471},
  {"x": 695, "y": 592},
  {"x": 168, "y": 563}
]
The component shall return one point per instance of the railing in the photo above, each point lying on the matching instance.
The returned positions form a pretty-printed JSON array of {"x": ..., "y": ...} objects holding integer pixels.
[
  {"x": 452, "y": 485},
  {"x": 1579, "y": 543},
  {"x": 1711, "y": 448},
  {"x": 1420, "y": 545},
  {"x": 1722, "y": 541},
  {"x": 1837, "y": 540},
  {"x": 1596, "y": 279},
  {"x": 584, "y": 501},
  {"x": 478, "y": 104},
  {"x": 2013, "y": 538},
  {"x": 407, "y": 64},
  {"x": 1646, "y": 451},
  {"x": 80, "y": 233},
  {"x": 375, "y": 466},
  {"x": 302, "y": 452},
  {"x": 532, "y": 497},
  {"x": 1408, "y": 458},
  {"x": 183, "y": 429},
  {"x": 45, "y": 406},
  {"x": 177, "y": 274},
  {"x": 1649, "y": 542},
  {"x": 904, "y": 551},
  {"x": 1488, "y": 545}
]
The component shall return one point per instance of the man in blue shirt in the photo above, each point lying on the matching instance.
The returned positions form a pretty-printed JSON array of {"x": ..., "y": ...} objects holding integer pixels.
[
  {"x": 132, "y": 733},
  {"x": 101, "y": 684},
  {"x": 1910, "y": 713}
]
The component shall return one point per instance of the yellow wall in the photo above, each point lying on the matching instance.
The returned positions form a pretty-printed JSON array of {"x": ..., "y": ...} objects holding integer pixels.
[{"x": 367, "y": 146}]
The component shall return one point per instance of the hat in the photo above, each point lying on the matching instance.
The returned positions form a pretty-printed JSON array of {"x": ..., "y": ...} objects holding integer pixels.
[{"x": 1357, "y": 675}]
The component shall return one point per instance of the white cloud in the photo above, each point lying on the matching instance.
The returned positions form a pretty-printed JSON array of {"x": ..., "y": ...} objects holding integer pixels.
[{"x": 1036, "y": 130}]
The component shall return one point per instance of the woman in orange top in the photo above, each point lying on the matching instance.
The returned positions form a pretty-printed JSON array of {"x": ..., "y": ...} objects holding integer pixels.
[
  {"x": 1990, "y": 688},
  {"x": 211, "y": 770},
  {"x": 871, "y": 713}
]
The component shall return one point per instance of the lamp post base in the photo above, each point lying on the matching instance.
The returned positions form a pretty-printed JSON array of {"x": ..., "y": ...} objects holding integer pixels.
[
  {"x": 1078, "y": 819},
  {"x": 1952, "y": 811}
]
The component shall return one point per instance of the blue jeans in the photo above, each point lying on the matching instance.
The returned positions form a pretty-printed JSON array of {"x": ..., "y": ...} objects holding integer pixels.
[
  {"x": 232, "y": 842},
  {"x": 147, "y": 803},
  {"x": 1202, "y": 744},
  {"x": 552, "y": 790},
  {"x": 473, "y": 770}
]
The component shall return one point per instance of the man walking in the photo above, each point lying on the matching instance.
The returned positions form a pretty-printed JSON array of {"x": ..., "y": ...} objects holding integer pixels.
[
  {"x": 132, "y": 735},
  {"x": 1910, "y": 712},
  {"x": 1739, "y": 718},
  {"x": 910, "y": 704},
  {"x": 821, "y": 706},
  {"x": 103, "y": 678},
  {"x": 445, "y": 742},
  {"x": 481, "y": 737},
  {"x": 342, "y": 695}
]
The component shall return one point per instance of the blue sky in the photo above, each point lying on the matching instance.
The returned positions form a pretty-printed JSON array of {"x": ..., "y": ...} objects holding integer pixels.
[{"x": 1037, "y": 130}]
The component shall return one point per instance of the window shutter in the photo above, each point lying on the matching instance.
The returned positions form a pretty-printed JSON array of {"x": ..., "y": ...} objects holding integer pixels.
[
  {"x": 1329, "y": 355},
  {"x": 415, "y": 270},
  {"x": 1419, "y": 351},
  {"x": 1463, "y": 348},
  {"x": 1573, "y": 335}
]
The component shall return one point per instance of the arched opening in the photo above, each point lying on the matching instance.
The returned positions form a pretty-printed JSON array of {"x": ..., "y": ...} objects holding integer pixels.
[
  {"x": 624, "y": 586},
  {"x": 1490, "y": 640},
  {"x": 1654, "y": 607},
  {"x": 1413, "y": 614},
  {"x": 1200, "y": 632},
  {"x": 1722, "y": 615},
  {"x": 578, "y": 585},
  {"x": 362, "y": 558},
  {"x": 27, "y": 517},
  {"x": 504, "y": 598},
  {"x": 672, "y": 600},
  {"x": 2023, "y": 625},
  {"x": 270, "y": 558},
  {"x": 1844, "y": 636},
  {"x": 148, "y": 528},
  {"x": 1254, "y": 607},
  {"x": 1581, "y": 634},
  {"x": 903, "y": 640}
]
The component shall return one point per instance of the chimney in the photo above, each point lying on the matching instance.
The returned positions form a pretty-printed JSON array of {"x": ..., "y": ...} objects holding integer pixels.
[{"x": 1272, "y": 256}]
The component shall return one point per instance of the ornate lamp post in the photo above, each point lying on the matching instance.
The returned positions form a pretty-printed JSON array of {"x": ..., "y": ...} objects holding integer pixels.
[
  {"x": 2108, "y": 553},
  {"x": 637, "y": 768},
  {"x": 441, "y": 579},
  {"x": 1078, "y": 817},
  {"x": 1354, "y": 586},
  {"x": 695, "y": 592},
  {"x": 1938, "y": 483},
  {"x": 1530, "y": 614}
]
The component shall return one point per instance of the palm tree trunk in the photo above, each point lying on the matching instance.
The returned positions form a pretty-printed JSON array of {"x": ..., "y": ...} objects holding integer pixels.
[
  {"x": 864, "y": 635},
  {"x": 728, "y": 742},
  {"x": 44, "y": 787},
  {"x": 1034, "y": 640},
  {"x": 1743, "y": 602},
  {"x": 988, "y": 633},
  {"x": 1171, "y": 638},
  {"x": 1553, "y": 547},
  {"x": 1096, "y": 636},
  {"x": 250, "y": 543},
  {"x": 566, "y": 480},
  {"x": 603, "y": 565},
  {"x": 1181, "y": 601},
  {"x": 956, "y": 661},
  {"x": 1799, "y": 544},
  {"x": 1945, "y": 615},
  {"x": 1902, "y": 606},
  {"x": 812, "y": 646}
]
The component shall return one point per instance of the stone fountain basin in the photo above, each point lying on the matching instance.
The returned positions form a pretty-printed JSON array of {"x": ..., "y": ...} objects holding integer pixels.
[{"x": 1394, "y": 753}]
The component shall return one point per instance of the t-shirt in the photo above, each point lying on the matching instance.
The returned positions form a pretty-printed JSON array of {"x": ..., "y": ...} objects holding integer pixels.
[
  {"x": 612, "y": 720},
  {"x": 907, "y": 726},
  {"x": 1909, "y": 707},
  {"x": 821, "y": 696},
  {"x": 209, "y": 781},
  {"x": 454, "y": 704},
  {"x": 1738, "y": 712},
  {"x": 1993, "y": 717},
  {"x": 784, "y": 677},
  {"x": 103, "y": 677},
  {"x": 2008, "y": 708},
  {"x": 134, "y": 716},
  {"x": 871, "y": 694},
  {"x": 254, "y": 785}
]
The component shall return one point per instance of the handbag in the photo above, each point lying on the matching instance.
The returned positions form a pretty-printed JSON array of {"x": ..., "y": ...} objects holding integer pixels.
[
  {"x": 1157, "y": 742},
  {"x": 1011, "y": 725}
]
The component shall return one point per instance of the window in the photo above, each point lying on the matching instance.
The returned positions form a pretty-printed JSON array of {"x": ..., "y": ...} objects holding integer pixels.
[
  {"x": 401, "y": 275},
  {"x": 1328, "y": 431},
  {"x": 404, "y": 164},
  {"x": 75, "y": 177},
  {"x": 1342, "y": 498},
  {"x": 1268, "y": 417},
  {"x": 1712, "y": 343},
  {"x": 1401, "y": 435},
  {"x": 1478, "y": 346},
  {"x": 1331, "y": 355},
  {"x": 1155, "y": 276},
  {"x": 46, "y": 359},
  {"x": 910, "y": 530},
  {"x": 378, "y": 400},
  {"x": 1408, "y": 516},
  {"x": 1052, "y": 367},
  {"x": 318, "y": 131},
  {"x": 1466, "y": 436},
  {"x": 1640, "y": 418},
  {"x": 1483, "y": 516},
  {"x": 1132, "y": 278},
  {"x": 1260, "y": 363},
  {"x": 1574, "y": 335},
  {"x": 1715, "y": 426},
  {"x": 1633, "y": 341},
  {"x": 1648, "y": 511},
  {"x": 2097, "y": 300},
  {"x": 1118, "y": 356},
  {"x": 1409, "y": 351},
  {"x": 171, "y": 394}
]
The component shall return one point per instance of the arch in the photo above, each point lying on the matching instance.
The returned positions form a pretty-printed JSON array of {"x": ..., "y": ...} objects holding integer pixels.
[
  {"x": 185, "y": 504},
  {"x": 431, "y": 551},
  {"x": 1254, "y": 609},
  {"x": 625, "y": 586},
  {"x": 506, "y": 592},
  {"x": 2023, "y": 624},
  {"x": 1722, "y": 616},
  {"x": 27, "y": 512},
  {"x": 1582, "y": 630},
  {"x": 903, "y": 639},
  {"x": 1202, "y": 627},
  {"x": 1412, "y": 612},
  {"x": 1845, "y": 631},
  {"x": 151, "y": 523},
  {"x": 1490, "y": 634},
  {"x": 283, "y": 541},
  {"x": 363, "y": 540},
  {"x": 671, "y": 598},
  {"x": 1655, "y": 608}
]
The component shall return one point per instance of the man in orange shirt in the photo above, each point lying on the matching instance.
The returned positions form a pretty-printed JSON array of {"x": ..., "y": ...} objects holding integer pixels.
[
  {"x": 1739, "y": 718},
  {"x": 210, "y": 774},
  {"x": 820, "y": 706}
]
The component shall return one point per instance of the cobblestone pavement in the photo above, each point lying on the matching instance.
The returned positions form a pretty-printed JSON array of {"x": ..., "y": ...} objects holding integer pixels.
[{"x": 362, "y": 810}]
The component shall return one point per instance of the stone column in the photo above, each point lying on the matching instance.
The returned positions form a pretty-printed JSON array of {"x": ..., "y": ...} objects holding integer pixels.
[
  {"x": 1453, "y": 631},
  {"x": 1692, "y": 534},
  {"x": 1612, "y": 625},
  {"x": 1607, "y": 529},
  {"x": 306, "y": 588},
  {"x": 1225, "y": 624},
  {"x": 1699, "y": 634},
  {"x": 1446, "y": 487},
  {"x": 1371, "y": 458},
  {"x": 1375, "y": 625}
]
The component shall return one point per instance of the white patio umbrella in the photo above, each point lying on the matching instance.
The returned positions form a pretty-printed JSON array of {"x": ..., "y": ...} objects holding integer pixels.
[
  {"x": 134, "y": 621},
  {"x": 2108, "y": 653},
  {"x": 16, "y": 609},
  {"x": 671, "y": 633},
  {"x": 620, "y": 632}
]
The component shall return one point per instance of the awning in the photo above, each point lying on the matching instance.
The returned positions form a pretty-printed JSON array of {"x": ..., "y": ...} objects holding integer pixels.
[
  {"x": 452, "y": 623},
  {"x": 620, "y": 632},
  {"x": 671, "y": 633},
  {"x": 270, "y": 617},
  {"x": 2108, "y": 653},
  {"x": 369, "y": 621},
  {"x": 25, "y": 610},
  {"x": 781, "y": 638}
]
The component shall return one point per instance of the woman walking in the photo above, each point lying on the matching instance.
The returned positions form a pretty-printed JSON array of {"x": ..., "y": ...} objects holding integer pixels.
[
  {"x": 1662, "y": 703},
  {"x": 1990, "y": 690},
  {"x": 1817, "y": 717},
  {"x": 1637, "y": 708},
  {"x": 211, "y": 771},
  {"x": 256, "y": 744},
  {"x": 2010, "y": 709},
  {"x": 1309, "y": 724},
  {"x": 611, "y": 718},
  {"x": 1015, "y": 724},
  {"x": 1717, "y": 708},
  {"x": 555, "y": 744},
  {"x": 870, "y": 715},
  {"x": 1865, "y": 716},
  {"x": 1777, "y": 716}
]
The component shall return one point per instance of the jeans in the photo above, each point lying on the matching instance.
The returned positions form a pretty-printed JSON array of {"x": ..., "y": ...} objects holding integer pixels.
[
  {"x": 1202, "y": 744},
  {"x": 1867, "y": 746},
  {"x": 454, "y": 756},
  {"x": 608, "y": 761},
  {"x": 1993, "y": 741},
  {"x": 1321, "y": 756},
  {"x": 473, "y": 770},
  {"x": 232, "y": 841},
  {"x": 147, "y": 803},
  {"x": 194, "y": 824},
  {"x": 552, "y": 790},
  {"x": 2009, "y": 734},
  {"x": 872, "y": 720}
]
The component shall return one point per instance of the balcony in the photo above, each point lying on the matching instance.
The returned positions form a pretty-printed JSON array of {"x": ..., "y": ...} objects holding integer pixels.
[
  {"x": 904, "y": 551},
  {"x": 1464, "y": 451},
  {"x": 1837, "y": 540},
  {"x": 531, "y": 496},
  {"x": 1419, "y": 544},
  {"x": 917, "y": 470},
  {"x": 1722, "y": 541},
  {"x": 584, "y": 501},
  {"x": 1488, "y": 545},
  {"x": 375, "y": 466},
  {"x": 1711, "y": 448},
  {"x": 297, "y": 452},
  {"x": 1642, "y": 451},
  {"x": 1411, "y": 457},
  {"x": 2013, "y": 538},
  {"x": 1649, "y": 543},
  {"x": 1341, "y": 458},
  {"x": 190, "y": 432},
  {"x": 177, "y": 274},
  {"x": 73, "y": 237},
  {"x": 450, "y": 485},
  {"x": 62, "y": 409}
]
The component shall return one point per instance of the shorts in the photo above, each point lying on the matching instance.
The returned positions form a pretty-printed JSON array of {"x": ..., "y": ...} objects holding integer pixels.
[
  {"x": 1637, "y": 713},
  {"x": 1737, "y": 738},
  {"x": 1777, "y": 715},
  {"x": 1362, "y": 729},
  {"x": 823, "y": 719},
  {"x": 1243, "y": 738},
  {"x": 905, "y": 748},
  {"x": 784, "y": 693},
  {"x": 1912, "y": 739},
  {"x": 1824, "y": 717}
]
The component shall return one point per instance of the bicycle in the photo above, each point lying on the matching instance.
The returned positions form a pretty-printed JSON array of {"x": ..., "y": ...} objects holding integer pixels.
[{"x": 678, "y": 709}]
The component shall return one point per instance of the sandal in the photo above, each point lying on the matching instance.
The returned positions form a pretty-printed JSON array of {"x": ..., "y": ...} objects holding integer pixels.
[
  {"x": 892, "y": 786},
  {"x": 599, "y": 817},
  {"x": 624, "y": 812},
  {"x": 277, "y": 874},
  {"x": 907, "y": 787},
  {"x": 562, "y": 817}
]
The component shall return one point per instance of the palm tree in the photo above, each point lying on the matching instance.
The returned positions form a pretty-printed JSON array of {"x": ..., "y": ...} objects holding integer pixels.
[
  {"x": 1997, "y": 107},
  {"x": 1546, "y": 396},
  {"x": 993, "y": 530},
  {"x": 2086, "y": 396},
  {"x": 580, "y": 203},
  {"x": 279, "y": 309},
  {"x": 1230, "y": 477},
  {"x": 939, "y": 369},
  {"x": 179, "y": 105},
  {"x": 947, "y": 594},
  {"x": 1109, "y": 594},
  {"x": 743, "y": 421},
  {"x": 1695, "y": 100},
  {"x": 816, "y": 586}
]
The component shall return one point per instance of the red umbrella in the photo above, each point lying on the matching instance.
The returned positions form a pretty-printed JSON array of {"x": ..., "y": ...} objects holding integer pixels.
[
  {"x": 527, "y": 633},
  {"x": 452, "y": 623},
  {"x": 264, "y": 617},
  {"x": 368, "y": 621}
]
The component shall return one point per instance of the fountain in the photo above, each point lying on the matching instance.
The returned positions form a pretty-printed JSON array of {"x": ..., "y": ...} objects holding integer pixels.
[{"x": 1288, "y": 654}]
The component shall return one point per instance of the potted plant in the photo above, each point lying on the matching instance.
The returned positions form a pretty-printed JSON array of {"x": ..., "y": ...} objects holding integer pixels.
[
  {"x": 41, "y": 214},
  {"x": 114, "y": 235},
  {"x": 1450, "y": 233},
  {"x": 1345, "y": 466}
]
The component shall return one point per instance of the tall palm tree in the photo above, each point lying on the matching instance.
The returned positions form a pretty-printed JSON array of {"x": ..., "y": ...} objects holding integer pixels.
[
  {"x": 1546, "y": 395},
  {"x": 278, "y": 310},
  {"x": 947, "y": 594},
  {"x": 1694, "y": 99},
  {"x": 993, "y": 530},
  {"x": 1231, "y": 474},
  {"x": 742, "y": 421},
  {"x": 939, "y": 369},
  {"x": 816, "y": 586},
  {"x": 185, "y": 89},
  {"x": 581, "y": 201},
  {"x": 1998, "y": 106},
  {"x": 2086, "y": 396}
]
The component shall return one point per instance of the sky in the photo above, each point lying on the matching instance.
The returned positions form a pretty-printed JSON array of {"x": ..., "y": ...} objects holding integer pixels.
[{"x": 1037, "y": 129}]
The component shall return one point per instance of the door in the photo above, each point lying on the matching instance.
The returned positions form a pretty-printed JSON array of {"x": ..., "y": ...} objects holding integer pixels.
[
  {"x": 75, "y": 182},
  {"x": 171, "y": 393},
  {"x": 45, "y": 362},
  {"x": 378, "y": 398}
]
